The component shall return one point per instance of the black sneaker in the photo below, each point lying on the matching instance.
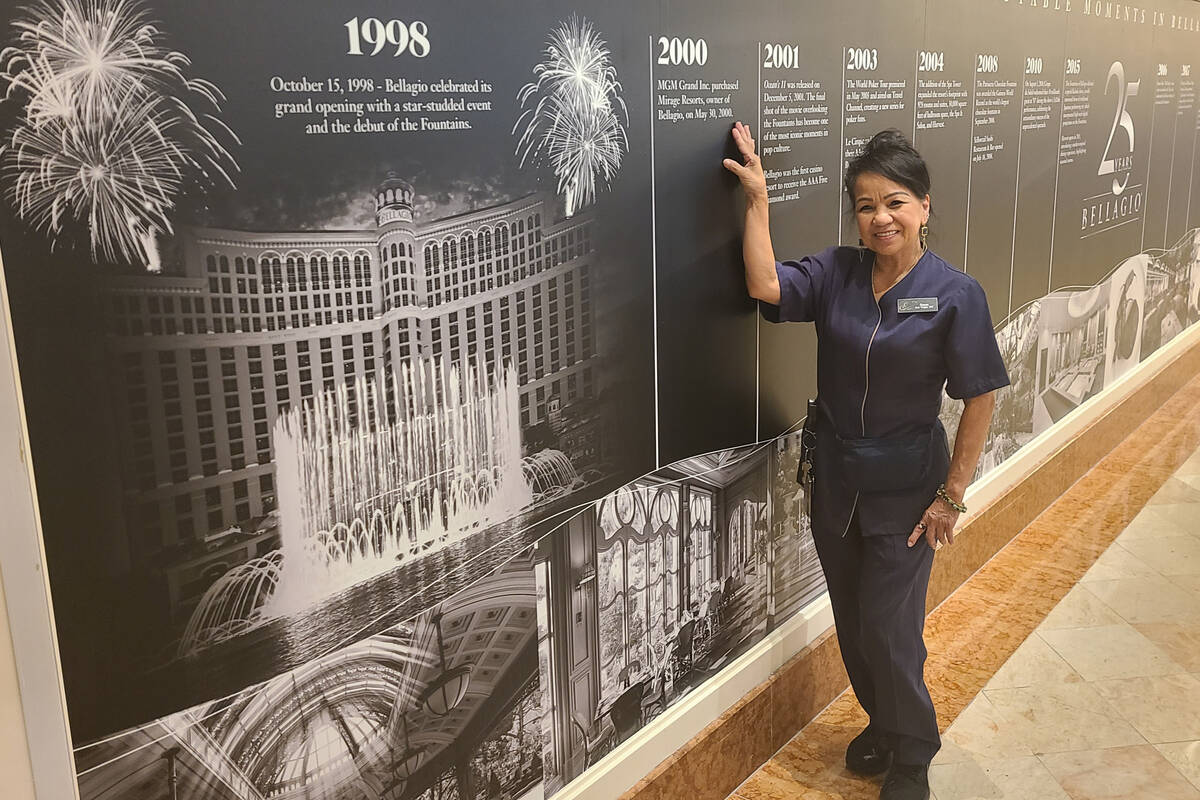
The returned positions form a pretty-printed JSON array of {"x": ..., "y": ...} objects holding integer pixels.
[
  {"x": 867, "y": 754},
  {"x": 906, "y": 782}
]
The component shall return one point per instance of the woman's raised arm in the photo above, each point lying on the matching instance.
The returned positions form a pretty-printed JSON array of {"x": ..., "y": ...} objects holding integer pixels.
[{"x": 761, "y": 280}]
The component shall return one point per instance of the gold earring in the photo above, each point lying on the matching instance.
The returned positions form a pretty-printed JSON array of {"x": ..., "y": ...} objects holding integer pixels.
[{"x": 924, "y": 234}]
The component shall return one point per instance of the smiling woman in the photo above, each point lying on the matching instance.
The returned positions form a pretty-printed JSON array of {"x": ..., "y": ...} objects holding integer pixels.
[{"x": 885, "y": 478}]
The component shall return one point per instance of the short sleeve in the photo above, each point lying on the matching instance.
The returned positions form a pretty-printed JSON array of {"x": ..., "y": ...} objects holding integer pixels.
[
  {"x": 974, "y": 365},
  {"x": 801, "y": 287}
]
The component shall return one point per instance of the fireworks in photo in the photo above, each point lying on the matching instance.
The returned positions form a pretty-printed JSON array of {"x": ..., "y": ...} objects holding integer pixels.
[
  {"x": 573, "y": 116},
  {"x": 107, "y": 137}
]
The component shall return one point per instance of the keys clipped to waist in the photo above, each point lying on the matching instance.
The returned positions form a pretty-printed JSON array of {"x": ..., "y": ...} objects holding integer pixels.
[{"x": 805, "y": 473}]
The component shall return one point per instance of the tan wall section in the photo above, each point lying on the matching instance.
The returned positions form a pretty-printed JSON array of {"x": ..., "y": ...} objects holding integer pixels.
[{"x": 16, "y": 773}]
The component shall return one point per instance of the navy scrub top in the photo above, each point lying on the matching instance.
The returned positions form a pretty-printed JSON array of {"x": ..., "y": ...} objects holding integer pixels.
[{"x": 881, "y": 372}]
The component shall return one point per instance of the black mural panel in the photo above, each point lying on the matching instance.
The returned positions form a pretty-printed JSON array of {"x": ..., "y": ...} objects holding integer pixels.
[
  {"x": 703, "y": 72},
  {"x": 799, "y": 119},
  {"x": 1163, "y": 87},
  {"x": 993, "y": 114},
  {"x": 1182, "y": 152},
  {"x": 878, "y": 92},
  {"x": 1102, "y": 169},
  {"x": 401, "y": 426},
  {"x": 945, "y": 70}
]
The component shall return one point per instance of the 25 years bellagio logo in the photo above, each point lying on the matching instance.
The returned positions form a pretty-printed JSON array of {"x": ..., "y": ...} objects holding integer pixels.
[{"x": 1120, "y": 202}]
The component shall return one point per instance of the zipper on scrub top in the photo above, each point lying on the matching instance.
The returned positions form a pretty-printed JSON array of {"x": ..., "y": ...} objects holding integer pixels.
[{"x": 862, "y": 413}]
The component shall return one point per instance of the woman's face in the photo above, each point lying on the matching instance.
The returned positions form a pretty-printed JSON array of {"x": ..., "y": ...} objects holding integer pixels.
[{"x": 889, "y": 216}]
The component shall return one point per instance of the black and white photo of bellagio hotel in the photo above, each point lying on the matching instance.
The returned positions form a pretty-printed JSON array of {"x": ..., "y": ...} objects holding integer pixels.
[{"x": 207, "y": 355}]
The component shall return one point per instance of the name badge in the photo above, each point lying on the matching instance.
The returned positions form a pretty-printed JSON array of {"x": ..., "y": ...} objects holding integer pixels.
[{"x": 916, "y": 305}]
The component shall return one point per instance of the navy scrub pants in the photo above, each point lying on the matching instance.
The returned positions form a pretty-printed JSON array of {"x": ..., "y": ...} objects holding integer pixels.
[{"x": 877, "y": 587}]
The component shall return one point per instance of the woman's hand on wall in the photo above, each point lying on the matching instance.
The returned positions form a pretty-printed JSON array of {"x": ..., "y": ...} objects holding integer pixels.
[
  {"x": 762, "y": 282},
  {"x": 750, "y": 171}
]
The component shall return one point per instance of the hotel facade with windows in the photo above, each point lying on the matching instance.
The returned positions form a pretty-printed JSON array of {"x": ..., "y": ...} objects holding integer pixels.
[{"x": 206, "y": 358}]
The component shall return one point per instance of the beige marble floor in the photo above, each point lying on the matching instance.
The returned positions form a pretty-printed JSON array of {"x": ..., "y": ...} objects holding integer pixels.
[
  {"x": 1102, "y": 700},
  {"x": 1068, "y": 666}
]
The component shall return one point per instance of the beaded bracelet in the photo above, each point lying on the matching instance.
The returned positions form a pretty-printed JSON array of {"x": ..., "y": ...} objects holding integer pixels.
[{"x": 959, "y": 507}]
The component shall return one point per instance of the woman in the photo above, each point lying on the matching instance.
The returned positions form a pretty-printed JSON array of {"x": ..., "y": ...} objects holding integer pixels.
[{"x": 895, "y": 324}]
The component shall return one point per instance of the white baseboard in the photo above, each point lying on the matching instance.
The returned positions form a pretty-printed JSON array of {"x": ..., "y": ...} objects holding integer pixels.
[{"x": 617, "y": 772}]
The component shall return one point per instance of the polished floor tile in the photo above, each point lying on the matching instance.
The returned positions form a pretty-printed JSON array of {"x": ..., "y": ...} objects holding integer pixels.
[
  {"x": 1080, "y": 609},
  {"x": 1109, "y": 651},
  {"x": 1051, "y": 718},
  {"x": 1190, "y": 583},
  {"x": 951, "y": 753},
  {"x": 1179, "y": 640},
  {"x": 1185, "y": 757},
  {"x": 1163, "y": 708},
  {"x": 1150, "y": 524},
  {"x": 995, "y": 779},
  {"x": 1175, "y": 491},
  {"x": 1170, "y": 555},
  {"x": 984, "y": 730},
  {"x": 1182, "y": 518},
  {"x": 1118, "y": 562},
  {"x": 1126, "y": 773},
  {"x": 1148, "y": 598},
  {"x": 1034, "y": 662}
]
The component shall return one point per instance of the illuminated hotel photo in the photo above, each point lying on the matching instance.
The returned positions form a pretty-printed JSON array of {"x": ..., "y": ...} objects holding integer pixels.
[{"x": 458, "y": 347}]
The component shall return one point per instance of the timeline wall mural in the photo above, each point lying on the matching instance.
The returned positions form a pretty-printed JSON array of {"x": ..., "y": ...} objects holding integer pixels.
[{"x": 400, "y": 424}]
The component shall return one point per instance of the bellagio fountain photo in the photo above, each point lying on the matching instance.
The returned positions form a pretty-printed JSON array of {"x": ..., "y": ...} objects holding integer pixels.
[{"x": 376, "y": 474}]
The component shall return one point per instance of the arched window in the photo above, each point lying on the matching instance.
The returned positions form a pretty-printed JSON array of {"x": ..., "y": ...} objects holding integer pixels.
[
  {"x": 747, "y": 527},
  {"x": 210, "y": 263},
  {"x": 701, "y": 560},
  {"x": 344, "y": 273},
  {"x": 432, "y": 257},
  {"x": 638, "y": 580}
]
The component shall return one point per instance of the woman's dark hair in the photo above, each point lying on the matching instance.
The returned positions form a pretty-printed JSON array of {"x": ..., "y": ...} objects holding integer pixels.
[{"x": 891, "y": 155}]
